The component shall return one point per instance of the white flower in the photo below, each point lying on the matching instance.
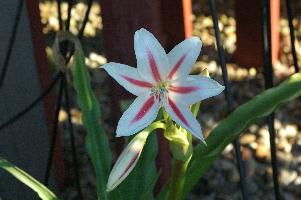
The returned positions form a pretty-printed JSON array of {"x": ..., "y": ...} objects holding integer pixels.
[{"x": 162, "y": 80}]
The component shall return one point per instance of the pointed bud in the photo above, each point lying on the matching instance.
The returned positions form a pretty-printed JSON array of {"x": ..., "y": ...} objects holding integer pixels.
[
  {"x": 127, "y": 160},
  {"x": 205, "y": 72},
  {"x": 179, "y": 142}
]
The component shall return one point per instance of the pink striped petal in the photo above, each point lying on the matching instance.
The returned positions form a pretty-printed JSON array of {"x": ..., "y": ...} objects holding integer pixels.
[
  {"x": 142, "y": 112},
  {"x": 181, "y": 114},
  {"x": 128, "y": 77},
  {"x": 127, "y": 161},
  {"x": 152, "y": 61},
  {"x": 182, "y": 57},
  {"x": 193, "y": 89},
  {"x": 183, "y": 89}
]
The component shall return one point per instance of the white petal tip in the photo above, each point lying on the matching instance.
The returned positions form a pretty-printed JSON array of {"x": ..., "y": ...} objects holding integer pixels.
[
  {"x": 196, "y": 41},
  {"x": 142, "y": 30},
  {"x": 221, "y": 88},
  {"x": 198, "y": 135},
  {"x": 105, "y": 66},
  {"x": 123, "y": 133},
  {"x": 109, "y": 189},
  {"x": 118, "y": 134}
]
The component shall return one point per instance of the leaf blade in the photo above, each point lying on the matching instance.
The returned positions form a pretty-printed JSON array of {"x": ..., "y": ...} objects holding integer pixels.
[
  {"x": 231, "y": 127},
  {"x": 43, "y": 192}
]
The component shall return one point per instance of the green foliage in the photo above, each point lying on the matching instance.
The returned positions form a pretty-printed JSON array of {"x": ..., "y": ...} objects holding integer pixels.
[
  {"x": 141, "y": 181},
  {"x": 139, "y": 184},
  {"x": 232, "y": 126},
  {"x": 43, "y": 192},
  {"x": 97, "y": 142}
]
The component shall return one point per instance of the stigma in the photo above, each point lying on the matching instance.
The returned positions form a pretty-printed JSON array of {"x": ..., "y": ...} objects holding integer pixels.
[{"x": 159, "y": 92}]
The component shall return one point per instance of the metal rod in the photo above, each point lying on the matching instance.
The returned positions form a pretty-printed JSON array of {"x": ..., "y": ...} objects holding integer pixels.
[
  {"x": 54, "y": 132},
  {"x": 268, "y": 79},
  {"x": 292, "y": 34},
  {"x": 67, "y": 103},
  {"x": 73, "y": 148},
  {"x": 31, "y": 105},
  {"x": 59, "y": 11},
  {"x": 11, "y": 43},
  {"x": 81, "y": 31},
  {"x": 70, "y": 3},
  {"x": 228, "y": 96},
  {"x": 86, "y": 18}
]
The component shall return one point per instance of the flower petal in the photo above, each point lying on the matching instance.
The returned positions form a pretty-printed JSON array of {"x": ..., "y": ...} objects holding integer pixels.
[
  {"x": 128, "y": 77},
  {"x": 140, "y": 114},
  {"x": 193, "y": 89},
  {"x": 181, "y": 114},
  {"x": 127, "y": 161},
  {"x": 183, "y": 56},
  {"x": 152, "y": 61}
]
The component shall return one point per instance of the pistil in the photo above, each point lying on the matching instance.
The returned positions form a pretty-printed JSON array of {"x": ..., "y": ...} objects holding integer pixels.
[{"x": 159, "y": 92}]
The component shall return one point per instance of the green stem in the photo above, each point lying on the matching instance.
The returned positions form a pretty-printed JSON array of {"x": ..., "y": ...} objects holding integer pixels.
[{"x": 178, "y": 179}]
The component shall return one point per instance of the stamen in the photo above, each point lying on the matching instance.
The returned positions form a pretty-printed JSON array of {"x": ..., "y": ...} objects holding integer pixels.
[{"x": 159, "y": 92}]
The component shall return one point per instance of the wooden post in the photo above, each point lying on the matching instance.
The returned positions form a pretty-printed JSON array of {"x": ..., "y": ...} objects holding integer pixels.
[
  {"x": 249, "y": 49},
  {"x": 275, "y": 29},
  {"x": 176, "y": 18}
]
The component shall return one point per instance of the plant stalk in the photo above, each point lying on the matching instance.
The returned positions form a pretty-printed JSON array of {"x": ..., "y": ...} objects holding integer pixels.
[{"x": 178, "y": 179}]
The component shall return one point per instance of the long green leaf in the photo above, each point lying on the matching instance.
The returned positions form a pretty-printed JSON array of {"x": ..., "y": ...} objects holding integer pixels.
[
  {"x": 97, "y": 142},
  {"x": 43, "y": 192},
  {"x": 231, "y": 127}
]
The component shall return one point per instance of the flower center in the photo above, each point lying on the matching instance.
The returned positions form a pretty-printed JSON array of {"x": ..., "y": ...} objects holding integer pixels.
[{"x": 159, "y": 92}]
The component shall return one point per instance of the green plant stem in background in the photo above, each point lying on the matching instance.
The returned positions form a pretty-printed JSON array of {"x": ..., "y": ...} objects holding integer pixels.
[
  {"x": 178, "y": 179},
  {"x": 231, "y": 127},
  {"x": 96, "y": 142},
  {"x": 43, "y": 192}
]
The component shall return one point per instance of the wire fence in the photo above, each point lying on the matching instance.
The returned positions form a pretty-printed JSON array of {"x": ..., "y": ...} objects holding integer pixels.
[{"x": 63, "y": 97}]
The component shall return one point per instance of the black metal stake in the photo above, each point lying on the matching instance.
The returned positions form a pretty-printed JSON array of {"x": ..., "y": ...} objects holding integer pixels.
[
  {"x": 268, "y": 79},
  {"x": 59, "y": 11},
  {"x": 68, "y": 57},
  {"x": 70, "y": 3},
  {"x": 240, "y": 164},
  {"x": 73, "y": 148},
  {"x": 54, "y": 132},
  {"x": 32, "y": 104},
  {"x": 292, "y": 34},
  {"x": 81, "y": 31},
  {"x": 11, "y": 43}
]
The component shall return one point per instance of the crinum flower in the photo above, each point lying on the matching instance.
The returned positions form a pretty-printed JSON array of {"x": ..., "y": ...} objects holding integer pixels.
[{"x": 162, "y": 80}]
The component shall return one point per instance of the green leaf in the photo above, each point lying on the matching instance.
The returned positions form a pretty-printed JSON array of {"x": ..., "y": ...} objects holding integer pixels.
[
  {"x": 43, "y": 192},
  {"x": 232, "y": 126},
  {"x": 96, "y": 142}
]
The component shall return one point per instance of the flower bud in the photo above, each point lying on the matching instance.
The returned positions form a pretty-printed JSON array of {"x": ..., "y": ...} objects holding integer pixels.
[
  {"x": 127, "y": 160},
  {"x": 179, "y": 142}
]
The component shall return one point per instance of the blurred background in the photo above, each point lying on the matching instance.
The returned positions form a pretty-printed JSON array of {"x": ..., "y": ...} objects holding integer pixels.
[{"x": 239, "y": 23}]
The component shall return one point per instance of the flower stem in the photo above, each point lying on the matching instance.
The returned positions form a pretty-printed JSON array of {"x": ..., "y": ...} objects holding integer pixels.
[{"x": 177, "y": 179}]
